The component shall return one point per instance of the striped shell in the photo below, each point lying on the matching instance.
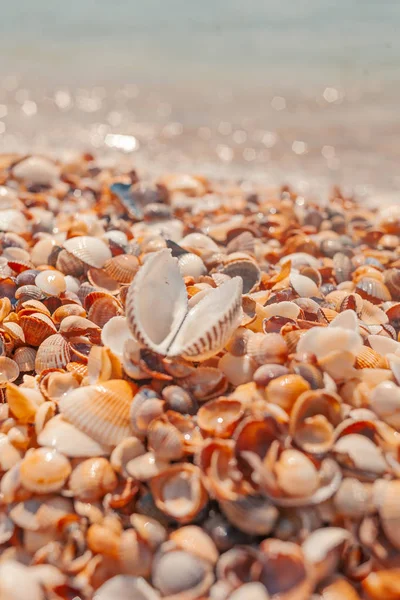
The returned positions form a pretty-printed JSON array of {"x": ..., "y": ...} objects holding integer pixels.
[
  {"x": 9, "y": 370},
  {"x": 90, "y": 250},
  {"x": 158, "y": 316},
  {"x": 122, "y": 268},
  {"x": 53, "y": 353},
  {"x": 25, "y": 358},
  {"x": 101, "y": 411},
  {"x": 249, "y": 272},
  {"x": 37, "y": 327}
]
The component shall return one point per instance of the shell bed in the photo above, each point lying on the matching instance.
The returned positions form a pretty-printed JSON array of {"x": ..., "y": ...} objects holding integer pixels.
[{"x": 200, "y": 389}]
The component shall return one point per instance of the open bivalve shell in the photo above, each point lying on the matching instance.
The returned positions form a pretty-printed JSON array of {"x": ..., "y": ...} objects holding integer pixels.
[{"x": 165, "y": 325}]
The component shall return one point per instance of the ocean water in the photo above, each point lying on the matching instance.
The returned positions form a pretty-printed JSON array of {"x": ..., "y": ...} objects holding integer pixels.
[{"x": 280, "y": 88}]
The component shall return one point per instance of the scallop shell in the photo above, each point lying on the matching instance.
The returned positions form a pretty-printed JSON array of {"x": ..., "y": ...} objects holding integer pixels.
[
  {"x": 90, "y": 250},
  {"x": 101, "y": 411},
  {"x": 267, "y": 348},
  {"x": 37, "y": 327},
  {"x": 122, "y": 268},
  {"x": 69, "y": 264},
  {"x": 191, "y": 265},
  {"x": 370, "y": 359},
  {"x": 13, "y": 220},
  {"x": 197, "y": 334},
  {"x": 44, "y": 470}
]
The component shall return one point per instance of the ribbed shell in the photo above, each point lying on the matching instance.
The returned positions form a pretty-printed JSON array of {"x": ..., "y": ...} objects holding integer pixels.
[
  {"x": 90, "y": 250},
  {"x": 101, "y": 411},
  {"x": 373, "y": 290},
  {"x": 247, "y": 270},
  {"x": 122, "y": 268},
  {"x": 37, "y": 327},
  {"x": 25, "y": 358},
  {"x": 53, "y": 353},
  {"x": 368, "y": 358}
]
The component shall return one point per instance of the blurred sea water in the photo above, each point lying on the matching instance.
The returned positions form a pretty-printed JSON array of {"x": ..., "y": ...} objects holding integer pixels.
[{"x": 277, "y": 88}]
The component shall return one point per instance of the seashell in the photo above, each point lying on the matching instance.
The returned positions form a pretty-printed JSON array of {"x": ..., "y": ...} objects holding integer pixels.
[
  {"x": 146, "y": 406},
  {"x": 54, "y": 385},
  {"x": 360, "y": 453},
  {"x": 68, "y": 440},
  {"x": 382, "y": 584},
  {"x": 92, "y": 479},
  {"x": 247, "y": 270},
  {"x": 9, "y": 371},
  {"x": 180, "y": 574},
  {"x": 237, "y": 345},
  {"x": 343, "y": 267},
  {"x": 165, "y": 440},
  {"x": 126, "y": 587},
  {"x": 149, "y": 530},
  {"x": 266, "y": 373},
  {"x": 15, "y": 579},
  {"x": 191, "y": 265},
  {"x": 101, "y": 411},
  {"x": 68, "y": 310},
  {"x": 179, "y": 400},
  {"x": 75, "y": 326},
  {"x": 373, "y": 290},
  {"x": 205, "y": 383},
  {"x": 25, "y": 358},
  {"x": 6, "y": 528},
  {"x": 114, "y": 335},
  {"x": 37, "y": 170},
  {"x": 122, "y": 268},
  {"x": 254, "y": 515},
  {"x": 219, "y": 417},
  {"x": 15, "y": 332},
  {"x": 90, "y": 250},
  {"x": 37, "y": 327},
  {"x": 267, "y": 348},
  {"x": 10, "y": 456},
  {"x": 103, "y": 309},
  {"x": 296, "y": 474},
  {"x": 254, "y": 590},
  {"x": 353, "y": 498},
  {"x": 285, "y": 390},
  {"x": 304, "y": 286},
  {"x": 23, "y": 402},
  {"x": 128, "y": 449},
  {"x": 286, "y": 309},
  {"x": 44, "y": 470},
  {"x": 178, "y": 492},
  {"x": 199, "y": 243},
  {"x": 70, "y": 264},
  {"x": 237, "y": 369},
  {"x": 385, "y": 402},
  {"x": 175, "y": 331},
  {"x": 392, "y": 281},
  {"x": 5, "y": 308},
  {"x": 370, "y": 359},
  {"x": 146, "y": 466},
  {"x": 322, "y": 550},
  {"x": 194, "y": 540},
  {"x": 53, "y": 353},
  {"x": 13, "y": 220},
  {"x": 314, "y": 416},
  {"x": 52, "y": 283},
  {"x": 284, "y": 570}
]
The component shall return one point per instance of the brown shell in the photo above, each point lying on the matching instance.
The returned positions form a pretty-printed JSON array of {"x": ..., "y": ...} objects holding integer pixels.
[
  {"x": 53, "y": 353},
  {"x": 37, "y": 327},
  {"x": 370, "y": 359},
  {"x": 122, "y": 268}
]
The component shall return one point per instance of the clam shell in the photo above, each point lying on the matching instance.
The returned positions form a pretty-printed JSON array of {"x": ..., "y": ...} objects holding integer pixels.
[
  {"x": 267, "y": 348},
  {"x": 37, "y": 327},
  {"x": 44, "y": 470},
  {"x": 254, "y": 515},
  {"x": 219, "y": 417},
  {"x": 285, "y": 390},
  {"x": 9, "y": 370},
  {"x": 126, "y": 587},
  {"x": 92, "y": 479},
  {"x": 247, "y": 270},
  {"x": 90, "y": 250},
  {"x": 53, "y": 353},
  {"x": 101, "y": 411},
  {"x": 51, "y": 282},
  {"x": 23, "y": 402},
  {"x": 181, "y": 574},
  {"x": 373, "y": 290},
  {"x": 194, "y": 334},
  {"x": 370, "y": 359},
  {"x": 37, "y": 170},
  {"x": 70, "y": 264},
  {"x": 64, "y": 437},
  {"x": 191, "y": 265},
  {"x": 304, "y": 286},
  {"x": 179, "y": 492},
  {"x": 122, "y": 268}
]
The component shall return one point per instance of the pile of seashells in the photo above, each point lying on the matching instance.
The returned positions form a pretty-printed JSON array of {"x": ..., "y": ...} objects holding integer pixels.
[{"x": 200, "y": 390}]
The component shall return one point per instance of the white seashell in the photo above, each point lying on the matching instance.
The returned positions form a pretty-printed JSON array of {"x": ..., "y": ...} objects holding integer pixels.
[
  {"x": 37, "y": 170},
  {"x": 347, "y": 320},
  {"x": 41, "y": 251},
  {"x": 286, "y": 309},
  {"x": 365, "y": 455},
  {"x": 165, "y": 325},
  {"x": 90, "y": 250},
  {"x": 299, "y": 259},
  {"x": 9, "y": 198},
  {"x": 51, "y": 282},
  {"x": 178, "y": 573},
  {"x": 191, "y": 265},
  {"x": 118, "y": 237},
  {"x": 304, "y": 286},
  {"x": 323, "y": 341},
  {"x": 16, "y": 579},
  {"x": 238, "y": 369},
  {"x": 385, "y": 402},
  {"x": 200, "y": 242},
  {"x": 13, "y": 220},
  {"x": 126, "y": 587},
  {"x": 384, "y": 345},
  {"x": 101, "y": 411},
  {"x": 253, "y": 590},
  {"x": 114, "y": 335},
  {"x": 58, "y": 433}
]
